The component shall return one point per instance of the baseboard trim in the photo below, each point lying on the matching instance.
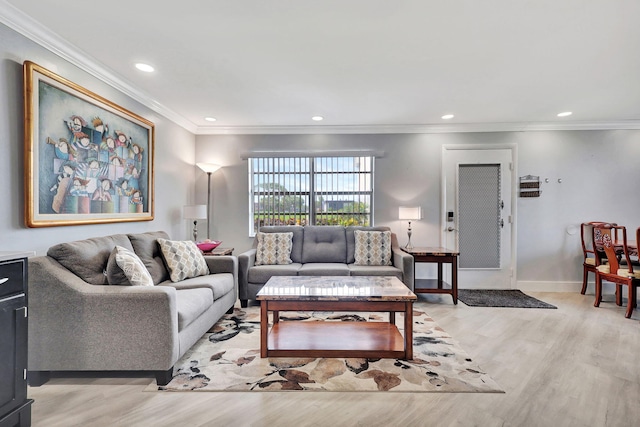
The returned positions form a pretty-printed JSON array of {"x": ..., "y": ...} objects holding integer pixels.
[{"x": 534, "y": 286}]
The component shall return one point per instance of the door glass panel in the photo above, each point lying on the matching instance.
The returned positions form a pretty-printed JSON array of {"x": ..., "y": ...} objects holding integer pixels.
[{"x": 479, "y": 216}]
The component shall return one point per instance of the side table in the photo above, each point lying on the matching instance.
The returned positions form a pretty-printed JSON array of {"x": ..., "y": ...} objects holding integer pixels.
[
  {"x": 219, "y": 251},
  {"x": 439, "y": 256}
]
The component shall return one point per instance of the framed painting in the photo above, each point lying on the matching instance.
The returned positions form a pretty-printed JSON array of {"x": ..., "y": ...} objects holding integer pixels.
[{"x": 87, "y": 160}]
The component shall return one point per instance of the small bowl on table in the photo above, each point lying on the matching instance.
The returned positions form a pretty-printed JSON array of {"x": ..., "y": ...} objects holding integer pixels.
[{"x": 208, "y": 246}]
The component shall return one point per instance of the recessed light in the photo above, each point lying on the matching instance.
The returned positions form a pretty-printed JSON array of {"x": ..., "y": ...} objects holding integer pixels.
[
  {"x": 317, "y": 118},
  {"x": 565, "y": 114},
  {"x": 144, "y": 67},
  {"x": 448, "y": 116},
  {"x": 210, "y": 119}
]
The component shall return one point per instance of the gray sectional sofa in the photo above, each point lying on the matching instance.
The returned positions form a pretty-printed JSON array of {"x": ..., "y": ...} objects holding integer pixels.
[
  {"x": 78, "y": 322},
  {"x": 319, "y": 251}
]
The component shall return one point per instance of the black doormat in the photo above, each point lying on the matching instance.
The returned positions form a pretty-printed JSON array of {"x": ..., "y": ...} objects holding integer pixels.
[{"x": 500, "y": 298}]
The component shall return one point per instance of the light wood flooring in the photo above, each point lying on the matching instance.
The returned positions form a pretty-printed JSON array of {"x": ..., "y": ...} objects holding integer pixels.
[{"x": 574, "y": 366}]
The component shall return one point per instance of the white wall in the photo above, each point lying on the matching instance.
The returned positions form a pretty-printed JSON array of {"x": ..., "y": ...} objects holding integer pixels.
[
  {"x": 599, "y": 171},
  {"x": 174, "y": 155}
]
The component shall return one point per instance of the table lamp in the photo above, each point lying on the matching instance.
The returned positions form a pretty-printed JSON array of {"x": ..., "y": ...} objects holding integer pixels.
[
  {"x": 410, "y": 214},
  {"x": 195, "y": 212}
]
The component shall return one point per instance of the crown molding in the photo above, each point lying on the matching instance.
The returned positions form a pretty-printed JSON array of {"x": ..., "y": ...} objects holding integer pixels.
[
  {"x": 399, "y": 129},
  {"x": 36, "y": 32}
]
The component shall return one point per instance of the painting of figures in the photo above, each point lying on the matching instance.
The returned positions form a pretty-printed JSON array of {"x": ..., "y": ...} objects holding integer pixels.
[{"x": 87, "y": 159}]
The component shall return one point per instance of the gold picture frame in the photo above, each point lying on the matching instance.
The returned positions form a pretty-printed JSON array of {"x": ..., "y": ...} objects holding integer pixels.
[{"x": 87, "y": 160}]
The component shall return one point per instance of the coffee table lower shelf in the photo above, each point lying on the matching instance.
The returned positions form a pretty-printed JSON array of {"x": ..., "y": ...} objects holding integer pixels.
[{"x": 335, "y": 339}]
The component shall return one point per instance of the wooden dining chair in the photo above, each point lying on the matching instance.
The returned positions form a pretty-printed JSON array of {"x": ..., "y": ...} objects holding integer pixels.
[
  {"x": 591, "y": 256},
  {"x": 620, "y": 275}
]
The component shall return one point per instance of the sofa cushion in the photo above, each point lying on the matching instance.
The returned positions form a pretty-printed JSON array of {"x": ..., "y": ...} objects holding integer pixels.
[
  {"x": 135, "y": 273},
  {"x": 372, "y": 247},
  {"x": 88, "y": 258},
  {"x": 351, "y": 242},
  {"x": 375, "y": 270},
  {"x": 191, "y": 304},
  {"x": 219, "y": 284},
  {"x": 324, "y": 269},
  {"x": 324, "y": 244},
  {"x": 183, "y": 259},
  {"x": 298, "y": 233},
  {"x": 274, "y": 248},
  {"x": 146, "y": 246},
  {"x": 262, "y": 273}
]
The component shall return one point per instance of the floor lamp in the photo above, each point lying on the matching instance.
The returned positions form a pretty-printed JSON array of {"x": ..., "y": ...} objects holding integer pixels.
[
  {"x": 209, "y": 168},
  {"x": 410, "y": 214}
]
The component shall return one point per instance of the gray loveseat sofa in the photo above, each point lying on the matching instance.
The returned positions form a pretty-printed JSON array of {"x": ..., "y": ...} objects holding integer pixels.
[
  {"x": 319, "y": 251},
  {"x": 77, "y": 322}
]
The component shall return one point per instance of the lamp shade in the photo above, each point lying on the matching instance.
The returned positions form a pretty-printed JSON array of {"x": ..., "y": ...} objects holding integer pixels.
[
  {"x": 409, "y": 213},
  {"x": 208, "y": 167},
  {"x": 194, "y": 212}
]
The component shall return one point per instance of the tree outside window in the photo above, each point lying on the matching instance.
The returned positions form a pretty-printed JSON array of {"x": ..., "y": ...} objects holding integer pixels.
[{"x": 311, "y": 190}]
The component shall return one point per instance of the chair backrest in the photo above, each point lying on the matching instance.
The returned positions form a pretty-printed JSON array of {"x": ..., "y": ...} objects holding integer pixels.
[
  {"x": 589, "y": 244},
  {"x": 607, "y": 236}
]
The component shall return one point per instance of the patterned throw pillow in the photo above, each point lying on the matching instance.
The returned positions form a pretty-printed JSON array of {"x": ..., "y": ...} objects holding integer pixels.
[
  {"x": 274, "y": 248},
  {"x": 183, "y": 259},
  {"x": 373, "y": 247},
  {"x": 135, "y": 273}
]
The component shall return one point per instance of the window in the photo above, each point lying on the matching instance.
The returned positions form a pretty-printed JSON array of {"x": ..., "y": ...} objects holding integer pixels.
[{"x": 310, "y": 190}]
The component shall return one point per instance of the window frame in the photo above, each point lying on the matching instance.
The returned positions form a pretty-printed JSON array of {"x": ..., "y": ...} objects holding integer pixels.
[{"x": 313, "y": 170}]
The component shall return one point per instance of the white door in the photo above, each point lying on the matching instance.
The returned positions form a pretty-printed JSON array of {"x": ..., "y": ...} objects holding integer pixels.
[{"x": 478, "y": 217}]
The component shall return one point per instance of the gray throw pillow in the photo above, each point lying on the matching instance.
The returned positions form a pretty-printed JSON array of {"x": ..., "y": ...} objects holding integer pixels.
[{"x": 115, "y": 275}]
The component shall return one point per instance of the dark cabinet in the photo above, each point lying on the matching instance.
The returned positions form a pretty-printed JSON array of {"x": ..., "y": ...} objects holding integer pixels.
[{"x": 15, "y": 408}]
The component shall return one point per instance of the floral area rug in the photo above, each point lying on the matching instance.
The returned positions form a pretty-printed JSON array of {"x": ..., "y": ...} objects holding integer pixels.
[{"x": 228, "y": 359}]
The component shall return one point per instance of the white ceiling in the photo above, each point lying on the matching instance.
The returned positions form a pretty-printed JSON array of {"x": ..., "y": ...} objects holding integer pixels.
[{"x": 365, "y": 65}]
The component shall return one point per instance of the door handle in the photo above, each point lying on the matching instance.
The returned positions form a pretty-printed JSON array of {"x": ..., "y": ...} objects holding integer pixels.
[{"x": 451, "y": 229}]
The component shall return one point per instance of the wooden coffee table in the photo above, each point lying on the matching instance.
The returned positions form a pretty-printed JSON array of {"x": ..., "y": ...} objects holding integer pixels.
[{"x": 336, "y": 339}]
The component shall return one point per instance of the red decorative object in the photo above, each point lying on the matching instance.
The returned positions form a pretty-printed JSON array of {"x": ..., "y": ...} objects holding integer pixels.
[{"x": 208, "y": 246}]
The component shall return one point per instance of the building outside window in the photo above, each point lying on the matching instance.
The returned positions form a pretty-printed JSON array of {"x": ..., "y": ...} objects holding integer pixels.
[{"x": 310, "y": 190}]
